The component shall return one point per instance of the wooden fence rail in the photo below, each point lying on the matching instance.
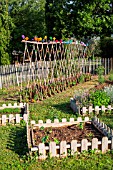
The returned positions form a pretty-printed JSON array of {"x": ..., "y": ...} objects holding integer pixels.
[
  {"x": 61, "y": 149},
  {"x": 17, "y": 74},
  {"x": 90, "y": 109},
  {"x": 14, "y": 118}
]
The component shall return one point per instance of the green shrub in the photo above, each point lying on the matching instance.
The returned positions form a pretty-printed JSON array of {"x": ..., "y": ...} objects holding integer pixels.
[
  {"x": 101, "y": 79},
  {"x": 100, "y": 70},
  {"x": 106, "y": 47},
  {"x": 110, "y": 77},
  {"x": 81, "y": 79},
  {"x": 99, "y": 98}
]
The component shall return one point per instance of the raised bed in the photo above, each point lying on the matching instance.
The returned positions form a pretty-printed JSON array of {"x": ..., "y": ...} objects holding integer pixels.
[
  {"x": 88, "y": 110},
  {"x": 14, "y": 118},
  {"x": 56, "y": 148}
]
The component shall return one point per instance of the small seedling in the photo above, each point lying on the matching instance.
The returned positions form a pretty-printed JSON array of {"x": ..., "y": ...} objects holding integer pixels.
[
  {"x": 44, "y": 139},
  {"x": 56, "y": 141},
  {"x": 81, "y": 125},
  {"x": 42, "y": 128},
  {"x": 89, "y": 134}
]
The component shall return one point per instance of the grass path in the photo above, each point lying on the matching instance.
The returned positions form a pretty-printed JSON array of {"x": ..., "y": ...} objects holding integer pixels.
[
  {"x": 58, "y": 106},
  {"x": 13, "y": 147}
]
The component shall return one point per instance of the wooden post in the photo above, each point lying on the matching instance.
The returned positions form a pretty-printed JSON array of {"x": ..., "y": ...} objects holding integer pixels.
[
  {"x": 84, "y": 145},
  {"x": 42, "y": 151},
  {"x": 52, "y": 148},
  {"x": 94, "y": 144},
  {"x": 73, "y": 146},
  {"x": 63, "y": 149},
  {"x": 104, "y": 144}
]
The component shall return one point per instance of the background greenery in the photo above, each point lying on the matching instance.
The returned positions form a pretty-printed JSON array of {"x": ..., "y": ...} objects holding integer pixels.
[{"x": 62, "y": 19}]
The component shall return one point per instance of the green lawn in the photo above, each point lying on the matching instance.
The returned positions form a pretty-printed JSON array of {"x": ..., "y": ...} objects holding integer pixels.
[{"x": 13, "y": 147}]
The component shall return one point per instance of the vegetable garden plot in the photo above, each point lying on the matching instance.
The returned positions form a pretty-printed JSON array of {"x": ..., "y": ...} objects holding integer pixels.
[{"x": 58, "y": 139}]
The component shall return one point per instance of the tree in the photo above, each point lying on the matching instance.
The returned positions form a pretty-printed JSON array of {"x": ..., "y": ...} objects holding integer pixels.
[
  {"x": 5, "y": 31},
  {"x": 56, "y": 17},
  {"x": 29, "y": 19},
  {"x": 79, "y": 17}
]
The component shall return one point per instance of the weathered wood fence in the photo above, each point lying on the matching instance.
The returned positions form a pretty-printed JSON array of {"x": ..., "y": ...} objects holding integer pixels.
[
  {"x": 12, "y": 75},
  {"x": 14, "y": 118},
  {"x": 61, "y": 150}
]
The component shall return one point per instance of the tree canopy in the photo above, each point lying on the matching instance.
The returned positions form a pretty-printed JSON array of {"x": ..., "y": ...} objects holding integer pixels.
[{"x": 61, "y": 19}]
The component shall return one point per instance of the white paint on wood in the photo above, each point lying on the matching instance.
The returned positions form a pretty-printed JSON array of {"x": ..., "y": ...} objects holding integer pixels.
[
  {"x": 48, "y": 121},
  {"x": 94, "y": 144},
  {"x": 104, "y": 144},
  {"x": 42, "y": 151},
  {"x": 63, "y": 149},
  {"x": 3, "y": 119},
  {"x": 73, "y": 146},
  {"x": 84, "y": 145},
  {"x": 52, "y": 149},
  {"x": 17, "y": 118}
]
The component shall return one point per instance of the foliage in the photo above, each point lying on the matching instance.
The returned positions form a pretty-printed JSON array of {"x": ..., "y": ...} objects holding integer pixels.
[
  {"x": 10, "y": 111},
  {"x": 6, "y": 26},
  {"x": 110, "y": 77},
  {"x": 100, "y": 72},
  {"x": 29, "y": 19},
  {"x": 101, "y": 79},
  {"x": 81, "y": 79},
  {"x": 106, "y": 47},
  {"x": 99, "y": 98},
  {"x": 13, "y": 149},
  {"x": 91, "y": 18},
  {"x": 109, "y": 91}
]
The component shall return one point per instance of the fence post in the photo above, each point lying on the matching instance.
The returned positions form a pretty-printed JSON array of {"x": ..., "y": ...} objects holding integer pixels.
[{"x": 0, "y": 82}]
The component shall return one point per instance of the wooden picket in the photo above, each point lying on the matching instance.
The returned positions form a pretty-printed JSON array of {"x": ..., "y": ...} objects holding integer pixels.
[
  {"x": 89, "y": 109},
  {"x": 14, "y": 118},
  {"x": 61, "y": 149},
  {"x": 26, "y": 72}
]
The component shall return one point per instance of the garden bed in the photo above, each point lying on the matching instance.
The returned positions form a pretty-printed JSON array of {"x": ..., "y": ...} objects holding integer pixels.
[
  {"x": 10, "y": 113},
  {"x": 99, "y": 98},
  {"x": 59, "y": 138}
]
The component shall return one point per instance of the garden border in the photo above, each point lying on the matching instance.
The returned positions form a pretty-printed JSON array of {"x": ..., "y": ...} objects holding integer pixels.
[
  {"x": 14, "y": 118},
  {"x": 63, "y": 147},
  {"x": 90, "y": 109}
]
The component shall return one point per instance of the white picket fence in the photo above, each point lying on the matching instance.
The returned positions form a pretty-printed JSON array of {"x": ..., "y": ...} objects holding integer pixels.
[
  {"x": 14, "y": 118},
  {"x": 61, "y": 149},
  {"x": 89, "y": 109}
]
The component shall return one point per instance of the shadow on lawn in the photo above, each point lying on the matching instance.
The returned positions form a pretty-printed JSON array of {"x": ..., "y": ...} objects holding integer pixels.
[
  {"x": 107, "y": 119},
  {"x": 18, "y": 141},
  {"x": 64, "y": 107}
]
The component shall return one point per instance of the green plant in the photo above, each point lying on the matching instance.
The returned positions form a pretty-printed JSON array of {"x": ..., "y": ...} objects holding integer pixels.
[
  {"x": 44, "y": 139},
  {"x": 80, "y": 125},
  {"x": 10, "y": 111},
  {"x": 89, "y": 135},
  {"x": 110, "y": 77},
  {"x": 101, "y": 79},
  {"x": 99, "y": 98},
  {"x": 42, "y": 128},
  {"x": 109, "y": 91},
  {"x": 100, "y": 70},
  {"x": 56, "y": 141},
  {"x": 81, "y": 79}
]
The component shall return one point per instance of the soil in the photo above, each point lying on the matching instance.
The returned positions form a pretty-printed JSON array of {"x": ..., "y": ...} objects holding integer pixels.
[
  {"x": 101, "y": 86},
  {"x": 67, "y": 133}
]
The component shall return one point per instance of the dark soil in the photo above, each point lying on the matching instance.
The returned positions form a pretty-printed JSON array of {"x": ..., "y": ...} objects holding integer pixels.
[
  {"x": 67, "y": 133},
  {"x": 101, "y": 86}
]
